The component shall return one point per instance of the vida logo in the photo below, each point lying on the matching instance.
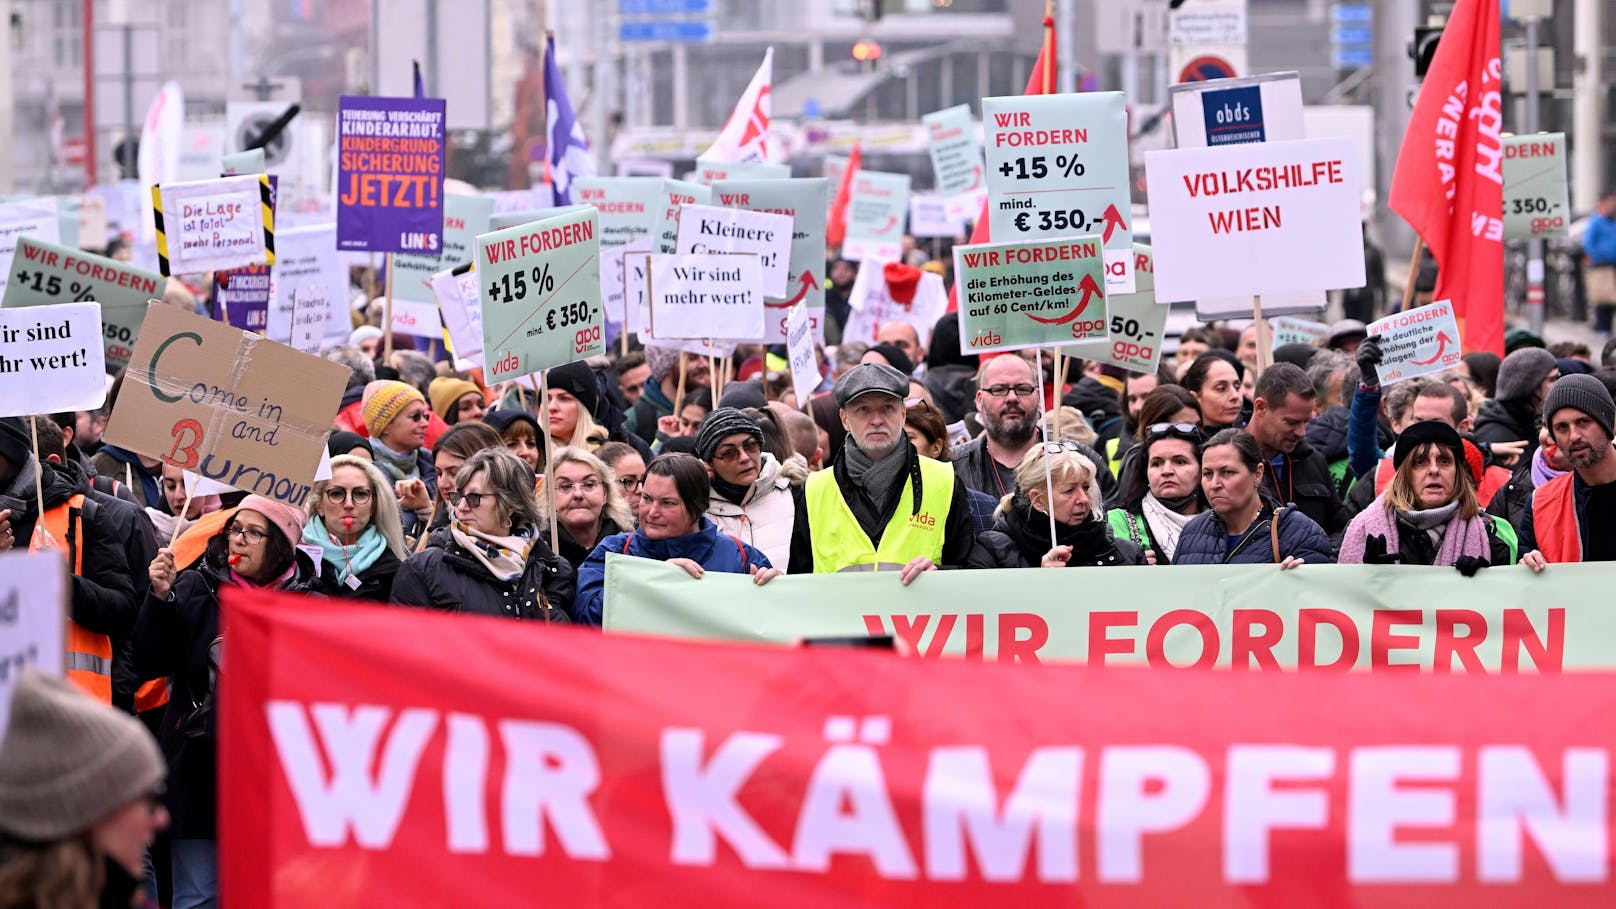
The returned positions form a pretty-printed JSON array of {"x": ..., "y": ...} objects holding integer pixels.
[{"x": 924, "y": 519}]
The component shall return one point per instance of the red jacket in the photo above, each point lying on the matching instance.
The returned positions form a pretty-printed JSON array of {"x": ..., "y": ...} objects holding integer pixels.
[{"x": 351, "y": 419}]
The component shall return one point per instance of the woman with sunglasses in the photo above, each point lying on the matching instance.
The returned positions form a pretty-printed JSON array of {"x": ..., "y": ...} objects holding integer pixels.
[
  {"x": 354, "y": 523},
  {"x": 1157, "y": 501},
  {"x": 1020, "y": 537},
  {"x": 490, "y": 559},
  {"x": 589, "y": 505},
  {"x": 754, "y": 493},
  {"x": 1244, "y": 527},
  {"x": 177, "y": 637},
  {"x": 460, "y": 442},
  {"x": 396, "y": 414}
]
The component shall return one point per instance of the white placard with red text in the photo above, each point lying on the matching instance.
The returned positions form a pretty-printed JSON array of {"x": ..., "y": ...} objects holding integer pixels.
[{"x": 1417, "y": 342}]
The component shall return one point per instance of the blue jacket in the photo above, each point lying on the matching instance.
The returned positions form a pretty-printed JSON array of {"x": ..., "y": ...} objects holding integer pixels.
[
  {"x": 1600, "y": 240},
  {"x": 1205, "y": 540},
  {"x": 1363, "y": 432},
  {"x": 708, "y": 547}
]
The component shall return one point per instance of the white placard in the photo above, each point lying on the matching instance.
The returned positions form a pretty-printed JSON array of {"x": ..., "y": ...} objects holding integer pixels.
[
  {"x": 706, "y": 296},
  {"x": 306, "y": 259},
  {"x": 1417, "y": 342},
  {"x": 1268, "y": 217},
  {"x": 33, "y": 622},
  {"x": 872, "y": 305},
  {"x": 636, "y": 310},
  {"x": 52, "y": 359},
  {"x": 198, "y": 486},
  {"x": 929, "y": 217},
  {"x": 462, "y": 310},
  {"x": 613, "y": 289},
  {"x": 1291, "y": 330},
  {"x": 310, "y": 313},
  {"x": 716, "y": 229},
  {"x": 37, "y": 218},
  {"x": 805, "y": 374},
  {"x": 213, "y": 224},
  {"x": 412, "y": 317}
]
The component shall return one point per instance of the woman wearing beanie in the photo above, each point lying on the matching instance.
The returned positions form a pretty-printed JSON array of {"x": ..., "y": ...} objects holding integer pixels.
[
  {"x": 1020, "y": 537},
  {"x": 574, "y": 396},
  {"x": 490, "y": 559},
  {"x": 354, "y": 522},
  {"x": 348, "y": 443},
  {"x": 753, "y": 494},
  {"x": 80, "y": 800},
  {"x": 521, "y": 434},
  {"x": 177, "y": 637},
  {"x": 456, "y": 400},
  {"x": 1514, "y": 413},
  {"x": 1429, "y": 515},
  {"x": 396, "y": 415}
]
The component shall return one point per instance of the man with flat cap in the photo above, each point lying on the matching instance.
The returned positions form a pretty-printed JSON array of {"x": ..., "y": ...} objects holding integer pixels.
[{"x": 880, "y": 506}]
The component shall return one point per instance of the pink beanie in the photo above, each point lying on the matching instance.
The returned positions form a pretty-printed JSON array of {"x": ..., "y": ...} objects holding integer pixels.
[{"x": 285, "y": 518}]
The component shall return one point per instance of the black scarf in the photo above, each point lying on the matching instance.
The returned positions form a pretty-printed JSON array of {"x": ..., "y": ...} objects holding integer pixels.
[
  {"x": 1029, "y": 529},
  {"x": 732, "y": 493}
]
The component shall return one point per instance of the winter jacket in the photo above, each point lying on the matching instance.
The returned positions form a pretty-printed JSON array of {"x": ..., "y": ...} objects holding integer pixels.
[
  {"x": 1020, "y": 538},
  {"x": 765, "y": 520},
  {"x": 641, "y": 419},
  {"x": 708, "y": 547},
  {"x": 974, "y": 464},
  {"x": 573, "y": 551},
  {"x": 1415, "y": 547},
  {"x": 1304, "y": 479},
  {"x": 375, "y": 582},
  {"x": 125, "y": 467},
  {"x": 174, "y": 639},
  {"x": 1327, "y": 435},
  {"x": 1513, "y": 503},
  {"x": 1507, "y": 421},
  {"x": 1205, "y": 540},
  {"x": 953, "y": 388},
  {"x": 445, "y": 576},
  {"x": 1098, "y": 404}
]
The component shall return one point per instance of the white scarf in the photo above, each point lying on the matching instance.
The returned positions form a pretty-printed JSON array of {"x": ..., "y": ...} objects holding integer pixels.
[{"x": 1165, "y": 523}]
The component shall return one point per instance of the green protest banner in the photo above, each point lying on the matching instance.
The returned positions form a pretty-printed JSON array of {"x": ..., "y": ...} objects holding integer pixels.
[
  {"x": 1377, "y": 618},
  {"x": 44, "y": 273},
  {"x": 1015, "y": 295},
  {"x": 710, "y": 172},
  {"x": 627, "y": 205},
  {"x": 464, "y": 217},
  {"x": 503, "y": 219},
  {"x": 804, "y": 200},
  {"x": 1535, "y": 200},
  {"x": 956, "y": 158},
  {"x": 673, "y": 195},
  {"x": 876, "y": 211},
  {"x": 540, "y": 290},
  {"x": 1138, "y": 323}
]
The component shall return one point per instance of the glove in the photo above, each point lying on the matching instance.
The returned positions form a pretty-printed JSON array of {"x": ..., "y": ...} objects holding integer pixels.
[
  {"x": 1469, "y": 565},
  {"x": 1369, "y": 357},
  {"x": 1374, "y": 552}
]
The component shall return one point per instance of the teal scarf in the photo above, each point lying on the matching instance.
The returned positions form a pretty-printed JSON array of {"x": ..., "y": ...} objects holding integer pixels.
[
  {"x": 396, "y": 465},
  {"x": 349, "y": 561}
]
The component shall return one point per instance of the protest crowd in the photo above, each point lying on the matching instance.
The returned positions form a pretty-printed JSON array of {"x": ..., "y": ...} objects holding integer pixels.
[{"x": 908, "y": 452}]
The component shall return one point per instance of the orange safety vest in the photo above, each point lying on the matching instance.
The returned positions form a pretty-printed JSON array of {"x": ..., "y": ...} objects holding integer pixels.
[
  {"x": 89, "y": 655},
  {"x": 1492, "y": 480},
  {"x": 1554, "y": 520}
]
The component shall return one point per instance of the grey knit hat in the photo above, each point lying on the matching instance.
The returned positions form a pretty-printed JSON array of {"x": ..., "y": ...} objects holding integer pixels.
[
  {"x": 1521, "y": 373},
  {"x": 1585, "y": 393},
  {"x": 720, "y": 425},
  {"x": 68, "y": 760}
]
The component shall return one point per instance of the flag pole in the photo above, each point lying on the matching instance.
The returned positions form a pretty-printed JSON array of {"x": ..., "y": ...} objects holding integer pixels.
[
  {"x": 1265, "y": 339},
  {"x": 1413, "y": 273}
]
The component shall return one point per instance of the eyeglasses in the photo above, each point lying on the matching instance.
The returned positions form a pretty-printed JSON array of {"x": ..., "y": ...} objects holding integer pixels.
[
  {"x": 249, "y": 534},
  {"x": 1022, "y": 391},
  {"x": 629, "y": 484},
  {"x": 336, "y": 495},
  {"x": 586, "y": 487},
  {"x": 473, "y": 500},
  {"x": 420, "y": 416},
  {"x": 730, "y": 452},
  {"x": 1182, "y": 430},
  {"x": 918, "y": 404},
  {"x": 1063, "y": 445}
]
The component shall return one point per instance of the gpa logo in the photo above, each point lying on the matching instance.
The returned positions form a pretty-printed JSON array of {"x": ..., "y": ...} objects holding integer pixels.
[{"x": 924, "y": 519}]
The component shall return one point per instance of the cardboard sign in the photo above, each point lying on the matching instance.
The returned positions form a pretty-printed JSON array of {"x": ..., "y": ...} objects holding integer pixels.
[
  {"x": 390, "y": 163},
  {"x": 702, "y": 295},
  {"x": 464, "y": 217},
  {"x": 1535, "y": 196},
  {"x": 34, "y": 218},
  {"x": 929, "y": 217},
  {"x": 803, "y": 201},
  {"x": 309, "y": 315},
  {"x": 876, "y": 210},
  {"x": 1417, "y": 342},
  {"x": 306, "y": 260},
  {"x": 676, "y": 194},
  {"x": 1057, "y": 166},
  {"x": 241, "y": 297},
  {"x": 540, "y": 290},
  {"x": 805, "y": 374},
  {"x": 51, "y": 359},
  {"x": 1267, "y": 217},
  {"x": 228, "y": 404},
  {"x": 43, "y": 274},
  {"x": 872, "y": 305},
  {"x": 710, "y": 172},
  {"x": 715, "y": 229},
  {"x": 1137, "y": 324},
  {"x": 613, "y": 281},
  {"x": 1015, "y": 295},
  {"x": 461, "y": 308},
  {"x": 956, "y": 160},
  {"x": 1291, "y": 330},
  {"x": 208, "y": 225},
  {"x": 33, "y": 619}
]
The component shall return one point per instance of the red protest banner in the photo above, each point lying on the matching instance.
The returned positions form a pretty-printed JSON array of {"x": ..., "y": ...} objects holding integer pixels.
[{"x": 376, "y": 756}]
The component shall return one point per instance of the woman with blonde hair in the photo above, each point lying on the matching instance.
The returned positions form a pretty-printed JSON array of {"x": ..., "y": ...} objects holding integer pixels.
[
  {"x": 1020, "y": 537},
  {"x": 1429, "y": 514},
  {"x": 589, "y": 504},
  {"x": 573, "y": 397},
  {"x": 356, "y": 525}
]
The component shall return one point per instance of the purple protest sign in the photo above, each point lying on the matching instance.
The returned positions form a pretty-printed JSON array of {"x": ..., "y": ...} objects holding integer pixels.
[
  {"x": 390, "y": 159},
  {"x": 243, "y": 294}
]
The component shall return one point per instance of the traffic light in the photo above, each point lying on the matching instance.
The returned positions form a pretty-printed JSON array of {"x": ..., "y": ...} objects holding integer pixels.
[
  {"x": 1423, "y": 48},
  {"x": 867, "y": 53}
]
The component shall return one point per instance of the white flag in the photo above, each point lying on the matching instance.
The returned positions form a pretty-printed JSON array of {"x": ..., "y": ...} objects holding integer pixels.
[{"x": 743, "y": 137}]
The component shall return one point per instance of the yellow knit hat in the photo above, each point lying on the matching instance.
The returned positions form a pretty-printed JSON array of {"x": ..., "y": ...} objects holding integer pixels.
[
  {"x": 384, "y": 401},
  {"x": 446, "y": 391}
]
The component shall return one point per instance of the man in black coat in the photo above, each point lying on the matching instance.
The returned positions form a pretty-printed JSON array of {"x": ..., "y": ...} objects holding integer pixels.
[{"x": 1281, "y": 408}]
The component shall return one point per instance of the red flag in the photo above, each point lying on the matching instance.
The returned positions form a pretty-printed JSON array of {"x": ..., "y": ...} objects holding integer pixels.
[
  {"x": 836, "y": 227},
  {"x": 1449, "y": 183},
  {"x": 1040, "y": 82}
]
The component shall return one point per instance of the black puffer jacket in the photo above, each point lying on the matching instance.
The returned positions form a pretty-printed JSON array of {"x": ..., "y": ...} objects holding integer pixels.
[
  {"x": 1205, "y": 540},
  {"x": 446, "y": 576},
  {"x": 973, "y": 463},
  {"x": 1327, "y": 435},
  {"x": 375, "y": 582},
  {"x": 953, "y": 387},
  {"x": 1020, "y": 538},
  {"x": 1507, "y": 421},
  {"x": 1100, "y": 406}
]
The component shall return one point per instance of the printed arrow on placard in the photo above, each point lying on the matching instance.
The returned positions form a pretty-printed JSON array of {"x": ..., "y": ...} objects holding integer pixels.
[
  {"x": 976, "y": 178},
  {"x": 1442, "y": 342},
  {"x": 805, "y": 285},
  {"x": 892, "y": 221},
  {"x": 1089, "y": 289},
  {"x": 1113, "y": 220}
]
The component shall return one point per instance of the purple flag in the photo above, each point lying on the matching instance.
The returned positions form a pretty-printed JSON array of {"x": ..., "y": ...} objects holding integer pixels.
[
  {"x": 390, "y": 174},
  {"x": 568, "y": 149}
]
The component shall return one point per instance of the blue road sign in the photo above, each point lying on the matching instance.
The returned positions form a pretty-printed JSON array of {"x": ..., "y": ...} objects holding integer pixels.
[
  {"x": 664, "y": 7},
  {"x": 695, "y": 31},
  {"x": 1351, "y": 57}
]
